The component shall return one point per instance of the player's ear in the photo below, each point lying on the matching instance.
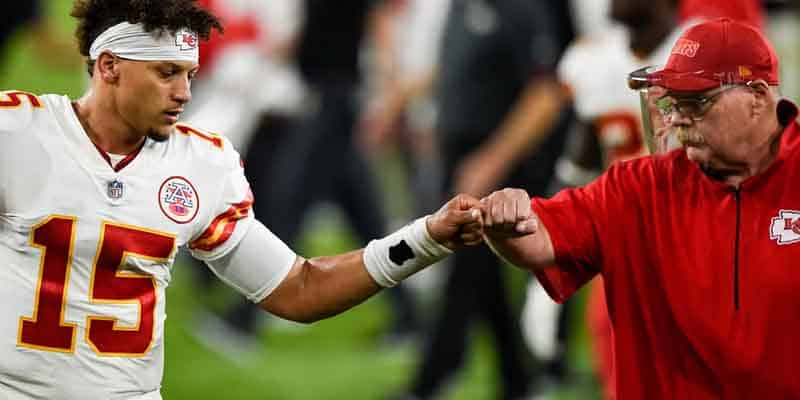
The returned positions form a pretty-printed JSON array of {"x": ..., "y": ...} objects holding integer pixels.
[{"x": 107, "y": 66}]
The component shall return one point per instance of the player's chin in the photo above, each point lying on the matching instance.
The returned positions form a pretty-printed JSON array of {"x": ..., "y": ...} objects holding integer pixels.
[{"x": 161, "y": 133}]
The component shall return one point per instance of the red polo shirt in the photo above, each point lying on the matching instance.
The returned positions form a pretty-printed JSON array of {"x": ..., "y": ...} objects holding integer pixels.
[{"x": 702, "y": 281}]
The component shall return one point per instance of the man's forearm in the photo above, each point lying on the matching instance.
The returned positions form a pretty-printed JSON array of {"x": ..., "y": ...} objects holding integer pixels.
[
  {"x": 325, "y": 286},
  {"x": 322, "y": 287},
  {"x": 524, "y": 252}
]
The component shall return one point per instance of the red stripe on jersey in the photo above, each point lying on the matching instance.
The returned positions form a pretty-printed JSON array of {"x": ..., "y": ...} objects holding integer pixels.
[
  {"x": 223, "y": 226},
  {"x": 212, "y": 138}
]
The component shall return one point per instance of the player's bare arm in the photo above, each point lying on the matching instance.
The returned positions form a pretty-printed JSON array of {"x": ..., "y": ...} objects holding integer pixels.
[
  {"x": 321, "y": 287},
  {"x": 513, "y": 231}
]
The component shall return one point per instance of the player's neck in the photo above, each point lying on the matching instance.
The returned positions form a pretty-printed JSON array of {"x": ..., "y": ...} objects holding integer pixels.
[{"x": 104, "y": 125}]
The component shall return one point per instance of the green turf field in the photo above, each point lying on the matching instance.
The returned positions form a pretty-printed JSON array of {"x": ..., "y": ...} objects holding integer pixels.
[{"x": 334, "y": 359}]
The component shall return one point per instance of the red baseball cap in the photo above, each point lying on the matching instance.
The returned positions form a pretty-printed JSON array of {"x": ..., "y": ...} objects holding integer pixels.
[{"x": 717, "y": 52}]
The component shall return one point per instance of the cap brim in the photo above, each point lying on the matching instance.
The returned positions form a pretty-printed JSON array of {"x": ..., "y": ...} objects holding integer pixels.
[{"x": 682, "y": 82}]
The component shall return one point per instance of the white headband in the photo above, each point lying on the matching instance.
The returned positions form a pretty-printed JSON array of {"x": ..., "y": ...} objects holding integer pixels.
[{"x": 131, "y": 41}]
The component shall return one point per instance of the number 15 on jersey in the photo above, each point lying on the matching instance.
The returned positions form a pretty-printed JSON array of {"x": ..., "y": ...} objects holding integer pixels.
[{"x": 47, "y": 330}]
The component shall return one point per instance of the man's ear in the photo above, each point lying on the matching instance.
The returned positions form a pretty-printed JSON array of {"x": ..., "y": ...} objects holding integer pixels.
[
  {"x": 762, "y": 97},
  {"x": 107, "y": 67}
]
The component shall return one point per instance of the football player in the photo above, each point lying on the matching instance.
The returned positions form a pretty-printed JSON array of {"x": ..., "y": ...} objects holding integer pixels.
[{"x": 96, "y": 195}]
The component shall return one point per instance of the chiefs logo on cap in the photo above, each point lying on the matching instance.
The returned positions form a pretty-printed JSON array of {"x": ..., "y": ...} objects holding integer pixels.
[
  {"x": 186, "y": 40},
  {"x": 686, "y": 47}
]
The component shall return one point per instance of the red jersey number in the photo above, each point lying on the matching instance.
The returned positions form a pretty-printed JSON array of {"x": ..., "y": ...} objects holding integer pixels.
[
  {"x": 47, "y": 330},
  {"x": 14, "y": 99},
  {"x": 620, "y": 134}
]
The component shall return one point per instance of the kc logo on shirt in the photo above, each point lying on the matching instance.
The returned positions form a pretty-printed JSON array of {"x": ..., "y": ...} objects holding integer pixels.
[{"x": 785, "y": 228}]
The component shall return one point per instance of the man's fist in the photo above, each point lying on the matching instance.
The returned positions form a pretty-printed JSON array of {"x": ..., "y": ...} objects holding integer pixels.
[
  {"x": 457, "y": 223},
  {"x": 507, "y": 213}
]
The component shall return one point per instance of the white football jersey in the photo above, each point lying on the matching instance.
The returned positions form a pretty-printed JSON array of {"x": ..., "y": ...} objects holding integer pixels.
[
  {"x": 596, "y": 71},
  {"x": 87, "y": 249}
]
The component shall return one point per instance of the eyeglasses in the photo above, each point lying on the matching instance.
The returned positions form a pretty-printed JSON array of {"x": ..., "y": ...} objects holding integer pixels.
[{"x": 694, "y": 106}]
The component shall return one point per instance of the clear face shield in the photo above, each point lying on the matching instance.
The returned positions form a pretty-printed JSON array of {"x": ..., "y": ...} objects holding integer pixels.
[
  {"x": 663, "y": 109},
  {"x": 656, "y": 134}
]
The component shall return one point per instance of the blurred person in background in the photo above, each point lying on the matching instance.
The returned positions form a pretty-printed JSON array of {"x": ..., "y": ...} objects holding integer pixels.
[
  {"x": 315, "y": 144},
  {"x": 97, "y": 194},
  {"x": 500, "y": 119},
  {"x": 248, "y": 74},
  {"x": 400, "y": 113},
  {"x": 396, "y": 127},
  {"x": 700, "y": 310},
  {"x": 249, "y": 89}
]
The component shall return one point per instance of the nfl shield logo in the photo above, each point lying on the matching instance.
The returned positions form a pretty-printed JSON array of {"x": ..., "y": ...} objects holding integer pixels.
[{"x": 115, "y": 189}]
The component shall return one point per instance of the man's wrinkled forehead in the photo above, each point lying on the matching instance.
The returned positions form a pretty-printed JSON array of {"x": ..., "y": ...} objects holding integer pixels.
[
  {"x": 683, "y": 94},
  {"x": 687, "y": 94}
]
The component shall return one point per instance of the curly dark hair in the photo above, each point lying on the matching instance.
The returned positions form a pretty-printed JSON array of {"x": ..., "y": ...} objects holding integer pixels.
[{"x": 95, "y": 16}]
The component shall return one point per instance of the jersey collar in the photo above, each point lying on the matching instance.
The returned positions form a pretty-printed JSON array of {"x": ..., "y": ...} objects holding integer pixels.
[{"x": 91, "y": 156}]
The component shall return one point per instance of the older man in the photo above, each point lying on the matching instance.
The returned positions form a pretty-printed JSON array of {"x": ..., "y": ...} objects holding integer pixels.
[{"x": 697, "y": 247}]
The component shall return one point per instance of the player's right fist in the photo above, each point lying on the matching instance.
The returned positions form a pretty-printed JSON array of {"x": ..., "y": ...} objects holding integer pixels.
[{"x": 507, "y": 213}]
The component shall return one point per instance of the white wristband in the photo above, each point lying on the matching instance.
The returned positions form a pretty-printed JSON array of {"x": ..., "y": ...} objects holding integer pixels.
[{"x": 402, "y": 253}]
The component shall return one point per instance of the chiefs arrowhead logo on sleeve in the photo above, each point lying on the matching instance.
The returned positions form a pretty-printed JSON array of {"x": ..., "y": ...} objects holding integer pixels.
[{"x": 785, "y": 228}]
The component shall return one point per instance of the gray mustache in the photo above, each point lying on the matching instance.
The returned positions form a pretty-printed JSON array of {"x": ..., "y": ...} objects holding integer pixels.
[{"x": 687, "y": 137}]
